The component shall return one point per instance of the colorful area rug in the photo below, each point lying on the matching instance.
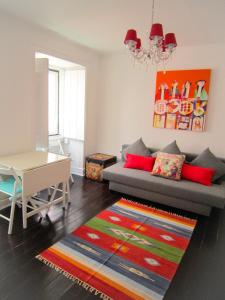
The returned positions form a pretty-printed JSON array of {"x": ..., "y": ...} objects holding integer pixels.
[{"x": 128, "y": 251}]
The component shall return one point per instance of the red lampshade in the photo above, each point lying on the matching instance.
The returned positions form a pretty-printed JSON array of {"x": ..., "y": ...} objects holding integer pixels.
[
  {"x": 156, "y": 31},
  {"x": 130, "y": 36},
  {"x": 170, "y": 40},
  {"x": 138, "y": 45}
]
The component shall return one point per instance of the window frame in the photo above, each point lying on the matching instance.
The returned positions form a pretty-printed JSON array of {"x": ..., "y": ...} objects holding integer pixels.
[{"x": 56, "y": 71}]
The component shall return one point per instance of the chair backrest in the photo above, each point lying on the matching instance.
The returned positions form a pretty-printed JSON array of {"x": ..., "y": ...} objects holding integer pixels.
[
  {"x": 57, "y": 146},
  {"x": 7, "y": 171},
  {"x": 61, "y": 150}
]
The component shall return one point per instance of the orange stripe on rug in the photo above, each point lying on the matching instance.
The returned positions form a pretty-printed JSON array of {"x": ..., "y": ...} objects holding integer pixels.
[{"x": 97, "y": 275}]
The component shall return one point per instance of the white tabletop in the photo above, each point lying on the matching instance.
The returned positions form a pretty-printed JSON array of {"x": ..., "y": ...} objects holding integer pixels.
[{"x": 30, "y": 160}]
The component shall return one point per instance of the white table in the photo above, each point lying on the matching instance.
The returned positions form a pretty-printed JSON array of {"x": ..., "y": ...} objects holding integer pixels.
[{"x": 38, "y": 171}]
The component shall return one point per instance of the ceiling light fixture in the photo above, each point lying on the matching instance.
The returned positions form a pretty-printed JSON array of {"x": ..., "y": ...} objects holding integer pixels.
[{"x": 160, "y": 47}]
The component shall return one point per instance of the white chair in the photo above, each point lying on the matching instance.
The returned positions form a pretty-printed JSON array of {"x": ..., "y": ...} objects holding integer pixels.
[
  {"x": 63, "y": 152},
  {"x": 57, "y": 148},
  {"x": 11, "y": 185}
]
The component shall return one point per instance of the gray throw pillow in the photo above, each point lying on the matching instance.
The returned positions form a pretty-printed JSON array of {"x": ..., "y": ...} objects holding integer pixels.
[
  {"x": 137, "y": 147},
  {"x": 208, "y": 160},
  {"x": 172, "y": 148}
]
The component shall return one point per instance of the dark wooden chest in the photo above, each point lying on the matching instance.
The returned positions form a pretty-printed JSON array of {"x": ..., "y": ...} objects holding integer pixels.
[{"x": 95, "y": 163}]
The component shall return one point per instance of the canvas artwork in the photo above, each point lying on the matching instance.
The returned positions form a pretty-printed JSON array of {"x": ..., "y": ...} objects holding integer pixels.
[{"x": 181, "y": 99}]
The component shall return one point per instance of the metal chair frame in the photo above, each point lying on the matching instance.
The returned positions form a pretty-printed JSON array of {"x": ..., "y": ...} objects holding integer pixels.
[{"x": 14, "y": 198}]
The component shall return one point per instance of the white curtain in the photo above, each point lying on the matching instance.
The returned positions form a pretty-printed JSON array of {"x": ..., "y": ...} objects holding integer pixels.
[{"x": 73, "y": 104}]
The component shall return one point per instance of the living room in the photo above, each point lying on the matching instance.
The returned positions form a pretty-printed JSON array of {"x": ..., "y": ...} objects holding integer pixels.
[{"x": 117, "y": 110}]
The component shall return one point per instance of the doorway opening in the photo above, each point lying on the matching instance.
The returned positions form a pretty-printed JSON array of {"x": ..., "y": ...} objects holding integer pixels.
[{"x": 61, "y": 108}]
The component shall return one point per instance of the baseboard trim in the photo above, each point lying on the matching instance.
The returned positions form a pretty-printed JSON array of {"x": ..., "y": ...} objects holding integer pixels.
[{"x": 77, "y": 171}]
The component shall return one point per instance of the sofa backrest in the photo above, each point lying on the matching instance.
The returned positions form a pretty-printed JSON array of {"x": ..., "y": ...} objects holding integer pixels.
[{"x": 189, "y": 156}]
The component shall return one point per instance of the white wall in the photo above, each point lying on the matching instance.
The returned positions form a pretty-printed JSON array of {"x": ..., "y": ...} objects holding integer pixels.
[
  {"x": 18, "y": 110},
  {"x": 41, "y": 93},
  {"x": 123, "y": 109},
  {"x": 127, "y": 99}
]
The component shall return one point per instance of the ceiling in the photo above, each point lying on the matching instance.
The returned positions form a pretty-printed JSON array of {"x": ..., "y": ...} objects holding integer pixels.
[{"x": 102, "y": 24}]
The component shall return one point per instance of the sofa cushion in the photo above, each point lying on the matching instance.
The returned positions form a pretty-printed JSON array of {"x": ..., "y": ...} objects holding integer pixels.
[
  {"x": 212, "y": 196},
  {"x": 168, "y": 165},
  {"x": 208, "y": 160},
  {"x": 144, "y": 163},
  {"x": 198, "y": 174},
  {"x": 172, "y": 148},
  {"x": 137, "y": 148}
]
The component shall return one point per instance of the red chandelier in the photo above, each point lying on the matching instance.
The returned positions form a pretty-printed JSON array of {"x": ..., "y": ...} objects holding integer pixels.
[{"x": 160, "y": 47}]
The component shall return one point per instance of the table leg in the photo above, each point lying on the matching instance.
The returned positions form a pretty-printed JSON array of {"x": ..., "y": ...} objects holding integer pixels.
[
  {"x": 24, "y": 205},
  {"x": 64, "y": 194},
  {"x": 68, "y": 191},
  {"x": 52, "y": 196},
  {"x": 13, "y": 204}
]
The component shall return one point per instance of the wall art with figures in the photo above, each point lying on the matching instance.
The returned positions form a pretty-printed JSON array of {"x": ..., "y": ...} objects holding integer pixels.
[{"x": 181, "y": 99}]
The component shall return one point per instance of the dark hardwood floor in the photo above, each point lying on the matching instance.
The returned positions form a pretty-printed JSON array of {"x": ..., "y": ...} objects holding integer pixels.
[{"x": 201, "y": 275}]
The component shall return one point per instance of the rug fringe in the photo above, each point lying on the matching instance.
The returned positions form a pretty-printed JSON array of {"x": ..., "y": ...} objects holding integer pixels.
[
  {"x": 75, "y": 279},
  {"x": 158, "y": 209}
]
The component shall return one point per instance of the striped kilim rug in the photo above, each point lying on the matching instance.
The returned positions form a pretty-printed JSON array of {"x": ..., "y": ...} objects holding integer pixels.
[{"x": 128, "y": 251}]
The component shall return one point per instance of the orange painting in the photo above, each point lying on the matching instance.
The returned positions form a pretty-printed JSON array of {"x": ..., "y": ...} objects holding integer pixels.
[{"x": 181, "y": 99}]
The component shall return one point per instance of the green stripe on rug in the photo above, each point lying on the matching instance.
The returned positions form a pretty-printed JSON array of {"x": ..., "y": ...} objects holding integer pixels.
[{"x": 149, "y": 244}]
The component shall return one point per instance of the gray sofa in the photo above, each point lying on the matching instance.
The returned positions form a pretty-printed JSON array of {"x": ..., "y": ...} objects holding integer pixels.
[{"x": 182, "y": 194}]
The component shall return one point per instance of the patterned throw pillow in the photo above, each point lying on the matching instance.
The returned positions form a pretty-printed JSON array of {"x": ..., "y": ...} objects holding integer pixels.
[{"x": 168, "y": 165}]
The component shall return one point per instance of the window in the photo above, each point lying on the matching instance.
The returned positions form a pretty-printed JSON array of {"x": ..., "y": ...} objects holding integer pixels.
[
  {"x": 73, "y": 104},
  {"x": 53, "y": 102}
]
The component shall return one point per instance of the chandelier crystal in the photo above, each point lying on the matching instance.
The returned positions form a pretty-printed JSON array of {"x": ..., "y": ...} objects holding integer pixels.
[{"x": 160, "y": 47}]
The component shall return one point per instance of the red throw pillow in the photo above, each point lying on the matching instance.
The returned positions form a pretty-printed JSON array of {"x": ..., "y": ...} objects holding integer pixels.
[
  {"x": 198, "y": 174},
  {"x": 134, "y": 161}
]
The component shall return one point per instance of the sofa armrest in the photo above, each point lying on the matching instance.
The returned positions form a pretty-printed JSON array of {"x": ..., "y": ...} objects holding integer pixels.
[{"x": 222, "y": 184}]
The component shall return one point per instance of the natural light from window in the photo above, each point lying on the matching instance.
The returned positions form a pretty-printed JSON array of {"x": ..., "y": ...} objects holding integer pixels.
[{"x": 53, "y": 105}]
